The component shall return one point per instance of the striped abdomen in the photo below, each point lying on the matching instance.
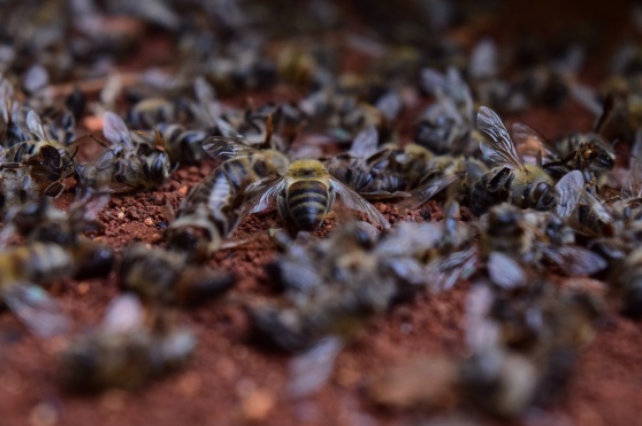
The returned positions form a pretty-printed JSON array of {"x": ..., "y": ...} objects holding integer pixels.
[
  {"x": 222, "y": 193},
  {"x": 308, "y": 202}
]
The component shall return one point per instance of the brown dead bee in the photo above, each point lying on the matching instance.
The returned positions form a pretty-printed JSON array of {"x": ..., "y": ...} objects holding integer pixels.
[
  {"x": 214, "y": 207},
  {"x": 306, "y": 194},
  {"x": 129, "y": 348},
  {"x": 127, "y": 166},
  {"x": 523, "y": 185},
  {"x": 164, "y": 277}
]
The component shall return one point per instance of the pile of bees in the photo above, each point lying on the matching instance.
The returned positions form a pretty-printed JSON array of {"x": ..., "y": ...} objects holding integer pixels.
[{"x": 517, "y": 209}]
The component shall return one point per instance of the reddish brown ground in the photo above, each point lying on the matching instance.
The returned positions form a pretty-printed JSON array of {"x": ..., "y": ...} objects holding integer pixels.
[{"x": 232, "y": 381}]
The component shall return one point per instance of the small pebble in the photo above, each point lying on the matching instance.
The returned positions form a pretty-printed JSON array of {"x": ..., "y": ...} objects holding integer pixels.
[
  {"x": 258, "y": 405},
  {"x": 148, "y": 221}
]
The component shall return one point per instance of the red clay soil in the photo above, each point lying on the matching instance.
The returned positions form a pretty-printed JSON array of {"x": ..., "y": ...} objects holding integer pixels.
[{"x": 232, "y": 381}]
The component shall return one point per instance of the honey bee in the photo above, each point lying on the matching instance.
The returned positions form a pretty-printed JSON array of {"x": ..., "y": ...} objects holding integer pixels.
[
  {"x": 184, "y": 146},
  {"x": 165, "y": 277},
  {"x": 41, "y": 165},
  {"x": 306, "y": 194},
  {"x": 41, "y": 222},
  {"x": 532, "y": 237},
  {"x": 129, "y": 348},
  {"x": 24, "y": 270},
  {"x": 447, "y": 126},
  {"x": 149, "y": 112},
  {"x": 127, "y": 166},
  {"x": 373, "y": 172},
  {"x": 521, "y": 184},
  {"x": 213, "y": 208}
]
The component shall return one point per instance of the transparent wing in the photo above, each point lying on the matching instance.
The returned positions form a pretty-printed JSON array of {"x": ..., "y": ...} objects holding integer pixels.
[
  {"x": 262, "y": 194},
  {"x": 35, "y": 309},
  {"x": 500, "y": 148},
  {"x": 425, "y": 192},
  {"x": 355, "y": 201},
  {"x": 312, "y": 369},
  {"x": 632, "y": 188},
  {"x": 124, "y": 313},
  {"x": 34, "y": 124},
  {"x": 390, "y": 105},
  {"x": 366, "y": 143},
  {"x": 484, "y": 60},
  {"x": 87, "y": 208},
  {"x": 115, "y": 130},
  {"x": 575, "y": 260},
  {"x": 530, "y": 145},
  {"x": 226, "y": 147},
  {"x": 433, "y": 81},
  {"x": 204, "y": 91},
  {"x": 597, "y": 207},
  {"x": 505, "y": 271},
  {"x": 569, "y": 188},
  {"x": 444, "y": 272},
  {"x": 586, "y": 97}
]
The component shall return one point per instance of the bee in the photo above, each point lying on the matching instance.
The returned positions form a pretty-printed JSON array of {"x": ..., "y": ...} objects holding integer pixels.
[
  {"x": 165, "y": 277},
  {"x": 184, "y": 146},
  {"x": 523, "y": 342},
  {"x": 306, "y": 194},
  {"x": 128, "y": 166},
  {"x": 152, "y": 111},
  {"x": 213, "y": 208},
  {"x": 373, "y": 172},
  {"x": 41, "y": 222},
  {"x": 513, "y": 236},
  {"x": 130, "y": 347},
  {"x": 332, "y": 287},
  {"x": 24, "y": 270},
  {"x": 521, "y": 184},
  {"x": 40, "y": 164},
  {"x": 582, "y": 151},
  {"x": 447, "y": 126}
]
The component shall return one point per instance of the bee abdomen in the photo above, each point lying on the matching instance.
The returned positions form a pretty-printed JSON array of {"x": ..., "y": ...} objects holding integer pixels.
[{"x": 308, "y": 203}]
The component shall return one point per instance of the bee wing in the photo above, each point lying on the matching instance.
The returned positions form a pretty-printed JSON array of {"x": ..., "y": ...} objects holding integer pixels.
[
  {"x": 34, "y": 124},
  {"x": 226, "y": 147},
  {"x": 355, "y": 201},
  {"x": 530, "y": 144},
  {"x": 426, "y": 191},
  {"x": 597, "y": 207},
  {"x": 586, "y": 97},
  {"x": 575, "y": 260},
  {"x": 569, "y": 188},
  {"x": 500, "y": 148},
  {"x": 115, "y": 130},
  {"x": 446, "y": 271},
  {"x": 505, "y": 271},
  {"x": 632, "y": 188},
  {"x": 484, "y": 60},
  {"x": 433, "y": 81},
  {"x": 124, "y": 313},
  {"x": 87, "y": 208},
  {"x": 312, "y": 369},
  {"x": 35, "y": 309},
  {"x": 204, "y": 91},
  {"x": 390, "y": 105},
  {"x": 366, "y": 143},
  {"x": 260, "y": 195}
]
